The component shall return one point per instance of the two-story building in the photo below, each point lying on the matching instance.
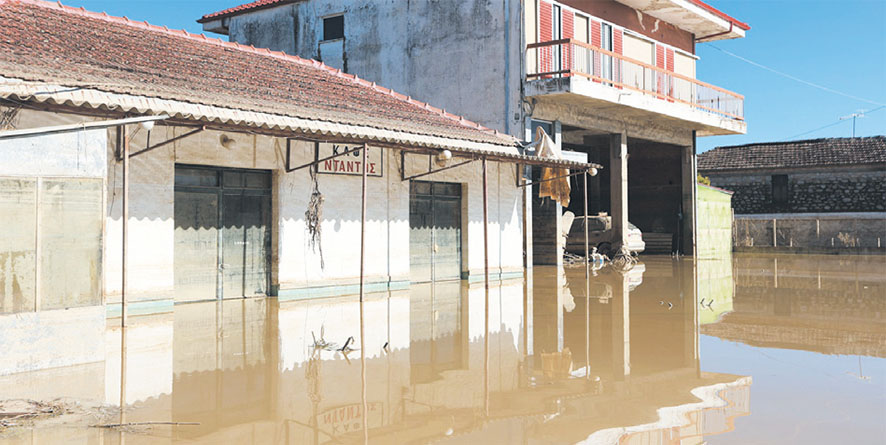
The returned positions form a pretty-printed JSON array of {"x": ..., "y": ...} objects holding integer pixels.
[{"x": 614, "y": 80}]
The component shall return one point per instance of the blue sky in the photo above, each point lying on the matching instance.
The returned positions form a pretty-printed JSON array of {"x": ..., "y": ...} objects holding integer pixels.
[{"x": 838, "y": 44}]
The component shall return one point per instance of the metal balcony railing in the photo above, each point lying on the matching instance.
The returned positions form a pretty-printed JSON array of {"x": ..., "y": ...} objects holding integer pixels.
[{"x": 569, "y": 57}]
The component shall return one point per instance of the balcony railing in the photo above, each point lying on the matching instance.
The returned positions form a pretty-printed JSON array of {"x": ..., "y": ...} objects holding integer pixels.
[{"x": 569, "y": 57}]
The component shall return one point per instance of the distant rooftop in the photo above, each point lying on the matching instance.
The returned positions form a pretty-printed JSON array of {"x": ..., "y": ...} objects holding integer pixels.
[
  {"x": 805, "y": 153},
  {"x": 259, "y": 4}
]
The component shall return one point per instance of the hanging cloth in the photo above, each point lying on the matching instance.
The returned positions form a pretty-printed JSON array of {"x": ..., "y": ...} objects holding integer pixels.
[{"x": 558, "y": 189}]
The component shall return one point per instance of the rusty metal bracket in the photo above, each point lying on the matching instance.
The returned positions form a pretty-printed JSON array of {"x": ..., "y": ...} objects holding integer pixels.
[
  {"x": 581, "y": 172},
  {"x": 168, "y": 141},
  {"x": 402, "y": 165},
  {"x": 407, "y": 178}
]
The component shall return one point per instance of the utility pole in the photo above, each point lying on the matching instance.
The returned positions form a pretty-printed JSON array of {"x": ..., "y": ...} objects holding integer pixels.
[{"x": 853, "y": 116}]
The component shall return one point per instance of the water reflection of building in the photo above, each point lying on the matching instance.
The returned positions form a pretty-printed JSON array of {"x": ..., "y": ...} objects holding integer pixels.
[
  {"x": 811, "y": 303},
  {"x": 566, "y": 363}
]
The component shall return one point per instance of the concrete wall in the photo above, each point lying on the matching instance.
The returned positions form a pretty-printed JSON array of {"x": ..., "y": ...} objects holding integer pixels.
[
  {"x": 811, "y": 232},
  {"x": 714, "y": 237},
  {"x": 50, "y": 254},
  {"x": 412, "y": 47},
  {"x": 838, "y": 189}
]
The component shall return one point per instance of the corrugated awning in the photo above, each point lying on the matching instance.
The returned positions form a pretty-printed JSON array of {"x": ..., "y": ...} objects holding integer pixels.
[{"x": 92, "y": 98}]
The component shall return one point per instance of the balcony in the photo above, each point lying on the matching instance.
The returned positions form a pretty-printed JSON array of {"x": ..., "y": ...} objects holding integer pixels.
[{"x": 619, "y": 86}]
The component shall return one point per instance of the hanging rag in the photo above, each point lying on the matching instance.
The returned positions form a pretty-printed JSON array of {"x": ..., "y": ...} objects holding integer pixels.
[{"x": 558, "y": 189}]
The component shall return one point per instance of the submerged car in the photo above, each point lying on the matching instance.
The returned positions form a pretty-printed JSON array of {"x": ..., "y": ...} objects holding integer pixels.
[{"x": 600, "y": 236}]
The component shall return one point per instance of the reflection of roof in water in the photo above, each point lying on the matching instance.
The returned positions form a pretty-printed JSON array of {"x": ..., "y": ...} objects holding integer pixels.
[
  {"x": 825, "y": 336},
  {"x": 831, "y": 305}
]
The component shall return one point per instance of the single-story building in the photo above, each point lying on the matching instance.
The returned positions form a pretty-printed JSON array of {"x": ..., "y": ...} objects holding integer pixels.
[
  {"x": 812, "y": 195},
  {"x": 241, "y": 173}
]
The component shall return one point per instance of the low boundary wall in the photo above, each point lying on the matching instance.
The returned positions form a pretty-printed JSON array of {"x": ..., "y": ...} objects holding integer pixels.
[{"x": 856, "y": 232}]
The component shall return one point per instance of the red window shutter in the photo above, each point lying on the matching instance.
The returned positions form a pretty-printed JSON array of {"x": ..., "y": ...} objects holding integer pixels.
[
  {"x": 670, "y": 67},
  {"x": 617, "y": 48},
  {"x": 660, "y": 78},
  {"x": 545, "y": 34},
  {"x": 596, "y": 33},
  {"x": 568, "y": 32},
  {"x": 596, "y": 40},
  {"x": 545, "y": 22}
]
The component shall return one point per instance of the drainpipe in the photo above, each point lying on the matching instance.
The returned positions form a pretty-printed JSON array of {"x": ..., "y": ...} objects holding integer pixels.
[{"x": 731, "y": 25}]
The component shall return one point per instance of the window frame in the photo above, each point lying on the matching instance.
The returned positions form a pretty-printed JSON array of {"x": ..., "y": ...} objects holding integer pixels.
[{"x": 323, "y": 31}]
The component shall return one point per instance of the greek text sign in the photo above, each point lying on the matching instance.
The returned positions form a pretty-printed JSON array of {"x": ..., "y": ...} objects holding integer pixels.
[
  {"x": 349, "y": 163},
  {"x": 349, "y": 418}
]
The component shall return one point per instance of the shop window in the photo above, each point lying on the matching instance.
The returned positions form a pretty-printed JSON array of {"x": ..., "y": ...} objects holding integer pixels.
[
  {"x": 61, "y": 218},
  {"x": 18, "y": 217}
]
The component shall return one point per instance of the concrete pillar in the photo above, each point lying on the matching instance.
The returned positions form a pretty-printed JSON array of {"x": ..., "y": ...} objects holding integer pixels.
[
  {"x": 527, "y": 220},
  {"x": 621, "y": 327},
  {"x": 689, "y": 179},
  {"x": 618, "y": 181}
]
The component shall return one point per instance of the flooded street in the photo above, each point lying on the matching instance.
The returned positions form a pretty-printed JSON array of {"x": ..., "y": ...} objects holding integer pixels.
[{"x": 746, "y": 349}]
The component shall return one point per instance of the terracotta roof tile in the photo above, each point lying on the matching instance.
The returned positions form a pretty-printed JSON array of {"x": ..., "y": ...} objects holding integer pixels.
[
  {"x": 259, "y": 4},
  {"x": 806, "y": 153},
  {"x": 47, "y": 42}
]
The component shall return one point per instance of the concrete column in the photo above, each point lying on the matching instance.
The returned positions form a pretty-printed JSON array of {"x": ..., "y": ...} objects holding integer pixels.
[
  {"x": 621, "y": 327},
  {"x": 527, "y": 222},
  {"x": 689, "y": 179},
  {"x": 618, "y": 181}
]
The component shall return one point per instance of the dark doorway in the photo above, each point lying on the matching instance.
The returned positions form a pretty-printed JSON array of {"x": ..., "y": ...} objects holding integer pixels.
[
  {"x": 222, "y": 233},
  {"x": 434, "y": 231}
]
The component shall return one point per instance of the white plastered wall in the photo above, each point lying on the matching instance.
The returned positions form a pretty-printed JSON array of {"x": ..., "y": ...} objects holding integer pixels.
[{"x": 296, "y": 263}]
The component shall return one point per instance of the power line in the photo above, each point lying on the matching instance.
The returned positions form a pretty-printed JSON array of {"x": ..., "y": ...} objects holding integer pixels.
[
  {"x": 794, "y": 78},
  {"x": 829, "y": 125}
]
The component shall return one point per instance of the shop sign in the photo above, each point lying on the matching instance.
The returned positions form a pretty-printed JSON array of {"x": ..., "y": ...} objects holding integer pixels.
[
  {"x": 349, "y": 418},
  {"x": 350, "y": 162}
]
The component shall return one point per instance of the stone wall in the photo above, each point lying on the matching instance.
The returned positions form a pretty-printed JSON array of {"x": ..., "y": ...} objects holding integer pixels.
[{"x": 848, "y": 189}]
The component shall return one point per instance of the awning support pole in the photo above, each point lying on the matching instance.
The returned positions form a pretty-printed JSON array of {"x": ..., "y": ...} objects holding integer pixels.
[
  {"x": 438, "y": 170},
  {"x": 587, "y": 285},
  {"x": 550, "y": 179},
  {"x": 587, "y": 248},
  {"x": 168, "y": 141},
  {"x": 125, "y": 217},
  {"x": 365, "y": 414},
  {"x": 486, "y": 284}
]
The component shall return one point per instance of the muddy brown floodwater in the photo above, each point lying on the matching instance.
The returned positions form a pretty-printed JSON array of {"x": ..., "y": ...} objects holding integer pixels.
[{"x": 744, "y": 349}]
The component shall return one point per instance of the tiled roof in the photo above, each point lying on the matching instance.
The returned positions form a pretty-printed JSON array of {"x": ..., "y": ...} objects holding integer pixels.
[
  {"x": 259, "y": 4},
  {"x": 47, "y": 42},
  {"x": 806, "y": 153}
]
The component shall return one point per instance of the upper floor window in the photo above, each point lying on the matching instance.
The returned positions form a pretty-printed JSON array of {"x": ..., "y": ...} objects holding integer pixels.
[{"x": 334, "y": 27}]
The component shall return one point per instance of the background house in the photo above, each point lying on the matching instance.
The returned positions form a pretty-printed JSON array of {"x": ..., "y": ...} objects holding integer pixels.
[{"x": 819, "y": 193}]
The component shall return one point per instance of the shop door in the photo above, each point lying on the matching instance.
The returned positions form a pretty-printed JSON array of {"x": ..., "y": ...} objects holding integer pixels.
[
  {"x": 435, "y": 231},
  {"x": 222, "y": 233}
]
